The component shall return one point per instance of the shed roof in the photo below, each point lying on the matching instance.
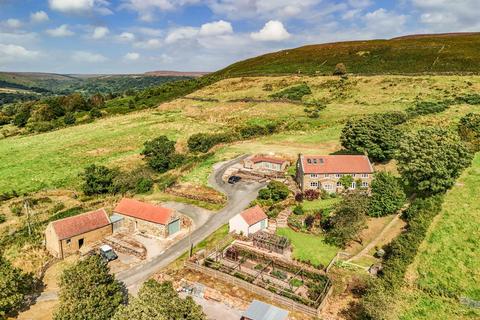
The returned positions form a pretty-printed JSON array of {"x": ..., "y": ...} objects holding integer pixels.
[
  {"x": 257, "y": 159},
  {"x": 253, "y": 215},
  {"x": 263, "y": 311},
  {"x": 336, "y": 164},
  {"x": 144, "y": 211},
  {"x": 80, "y": 224}
]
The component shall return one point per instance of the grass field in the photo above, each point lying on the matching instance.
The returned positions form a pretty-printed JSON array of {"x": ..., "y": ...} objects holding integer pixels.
[
  {"x": 448, "y": 265},
  {"x": 309, "y": 248},
  {"x": 54, "y": 159},
  {"x": 312, "y": 206}
]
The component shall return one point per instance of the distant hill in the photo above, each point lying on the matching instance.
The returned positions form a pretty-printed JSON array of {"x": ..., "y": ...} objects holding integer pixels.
[
  {"x": 175, "y": 74},
  {"x": 413, "y": 54}
]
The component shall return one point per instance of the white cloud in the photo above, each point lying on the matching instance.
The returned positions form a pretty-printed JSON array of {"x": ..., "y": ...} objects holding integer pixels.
[
  {"x": 147, "y": 9},
  {"x": 80, "y": 6},
  {"x": 90, "y": 57},
  {"x": 62, "y": 31},
  {"x": 100, "y": 32},
  {"x": 383, "y": 22},
  {"x": 448, "y": 16},
  {"x": 38, "y": 17},
  {"x": 272, "y": 31},
  {"x": 132, "y": 56},
  {"x": 181, "y": 34},
  {"x": 12, "y": 23},
  {"x": 11, "y": 52},
  {"x": 126, "y": 37},
  {"x": 149, "y": 44},
  {"x": 216, "y": 28}
]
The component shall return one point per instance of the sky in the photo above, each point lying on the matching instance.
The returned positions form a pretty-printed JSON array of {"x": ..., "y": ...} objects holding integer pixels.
[{"x": 135, "y": 36}]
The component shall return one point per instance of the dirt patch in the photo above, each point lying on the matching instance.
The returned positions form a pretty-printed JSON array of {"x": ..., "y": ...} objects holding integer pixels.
[{"x": 374, "y": 227}]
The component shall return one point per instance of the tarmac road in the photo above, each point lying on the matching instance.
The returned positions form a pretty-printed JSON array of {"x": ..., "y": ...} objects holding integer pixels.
[{"x": 239, "y": 197}]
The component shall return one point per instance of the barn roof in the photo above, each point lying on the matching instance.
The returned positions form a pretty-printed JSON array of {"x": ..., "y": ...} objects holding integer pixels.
[
  {"x": 80, "y": 224},
  {"x": 253, "y": 215},
  {"x": 144, "y": 211},
  {"x": 336, "y": 164},
  {"x": 257, "y": 159}
]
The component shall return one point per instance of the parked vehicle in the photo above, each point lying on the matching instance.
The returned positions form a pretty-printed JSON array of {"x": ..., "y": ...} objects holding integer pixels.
[
  {"x": 107, "y": 253},
  {"x": 234, "y": 179}
]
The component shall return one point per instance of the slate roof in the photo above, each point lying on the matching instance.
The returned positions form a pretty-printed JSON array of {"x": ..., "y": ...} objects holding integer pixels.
[
  {"x": 253, "y": 215},
  {"x": 262, "y": 311},
  {"x": 336, "y": 164},
  {"x": 80, "y": 224},
  {"x": 144, "y": 211}
]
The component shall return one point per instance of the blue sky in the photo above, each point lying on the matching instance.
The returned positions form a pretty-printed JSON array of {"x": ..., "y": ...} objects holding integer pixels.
[{"x": 134, "y": 36}]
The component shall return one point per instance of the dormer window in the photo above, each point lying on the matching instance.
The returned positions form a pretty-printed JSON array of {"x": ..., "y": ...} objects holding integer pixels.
[
  {"x": 309, "y": 161},
  {"x": 321, "y": 160},
  {"x": 315, "y": 161}
]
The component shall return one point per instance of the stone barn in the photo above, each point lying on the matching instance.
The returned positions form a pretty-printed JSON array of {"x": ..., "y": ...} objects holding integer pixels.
[
  {"x": 146, "y": 218},
  {"x": 66, "y": 236},
  {"x": 266, "y": 163}
]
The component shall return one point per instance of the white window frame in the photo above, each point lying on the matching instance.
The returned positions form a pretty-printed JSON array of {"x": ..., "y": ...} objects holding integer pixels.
[
  {"x": 354, "y": 185},
  {"x": 365, "y": 184},
  {"x": 314, "y": 184},
  {"x": 313, "y": 175},
  {"x": 364, "y": 175}
]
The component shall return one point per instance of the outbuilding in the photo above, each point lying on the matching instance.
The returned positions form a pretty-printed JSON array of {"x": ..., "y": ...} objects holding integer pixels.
[
  {"x": 146, "y": 218},
  {"x": 264, "y": 163},
  {"x": 249, "y": 221},
  {"x": 263, "y": 311},
  {"x": 66, "y": 236}
]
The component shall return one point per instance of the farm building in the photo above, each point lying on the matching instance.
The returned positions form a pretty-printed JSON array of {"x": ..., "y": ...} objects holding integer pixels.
[
  {"x": 249, "y": 221},
  {"x": 146, "y": 218},
  {"x": 263, "y": 311},
  {"x": 266, "y": 163},
  {"x": 66, "y": 236},
  {"x": 325, "y": 172}
]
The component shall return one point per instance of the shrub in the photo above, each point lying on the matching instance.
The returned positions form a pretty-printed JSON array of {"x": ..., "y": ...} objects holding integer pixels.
[
  {"x": 340, "y": 69},
  {"x": 98, "y": 180},
  {"x": 129, "y": 181},
  {"x": 160, "y": 154},
  {"x": 469, "y": 131},
  {"x": 387, "y": 195},
  {"x": 257, "y": 129},
  {"x": 298, "y": 210},
  {"x": 346, "y": 181},
  {"x": 203, "y": 142},
  {"x": 3, "y": 218},
  {"x": 295, "y": 93},
  {"x": 69, "y": 118},
  {"x": 309, "y": 220},
  {"x": 279, "y": 274},
  {"x": 95, "y": 113},
  {"x": 299, "y": 197},
  {"x": 144, "y": 185},
  {"x": 275, "y": 191},
  {"x": 428, "y": 107},
  {"x": 311, "y": 195}
]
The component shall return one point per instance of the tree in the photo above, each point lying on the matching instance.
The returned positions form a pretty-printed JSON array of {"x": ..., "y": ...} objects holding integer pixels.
[
  {"x": 14, "y": 286},
  {"x": 469, "y": 131},
  {"x": 375, "y": 135},
  {"x": 387, "y": 195},
  {"x": 160, "y": 154},
  {"x": 346, "y": 181},
  {"x": 431, "y": 159},
  {"x": 97, "y": 101},
  {"x": 349, "y": 218},
  {"x": 95, "y": 113},
  {"x": 89, "y": 291},
  {"x": 340, "y": 69},
  {"x": 160, "y": 301},
  {"x": 98, "y": 179},
  {"x": 275, "y": 191}
]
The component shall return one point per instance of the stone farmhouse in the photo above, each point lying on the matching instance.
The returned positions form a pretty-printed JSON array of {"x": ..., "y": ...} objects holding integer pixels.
[
  {"x": 66, "y": 236},
  {"x": 145, "y": 218},
  {"x": 249, "y": 221},
  {"x": 316, "y": 172},
  {"x": 266, "y": 163}
]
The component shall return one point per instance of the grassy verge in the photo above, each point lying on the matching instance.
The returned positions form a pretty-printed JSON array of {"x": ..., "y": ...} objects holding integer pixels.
[
  {"x": 447, "y": 268},
  {"x": 309, "y": 248}
]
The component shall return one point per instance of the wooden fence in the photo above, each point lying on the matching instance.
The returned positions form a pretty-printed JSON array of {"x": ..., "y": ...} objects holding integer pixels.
[{"x": 273, "y": 297}]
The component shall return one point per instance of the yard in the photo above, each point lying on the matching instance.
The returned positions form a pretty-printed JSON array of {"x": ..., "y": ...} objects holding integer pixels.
[
  {"x": 309, "y": 248},
  {"x": 320, "y": 204}
]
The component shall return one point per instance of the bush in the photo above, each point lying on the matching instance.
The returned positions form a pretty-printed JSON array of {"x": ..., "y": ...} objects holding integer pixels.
[
  {"x": 428, "y": 107},
  {"x": 311, "y": 195},
  {"x": 98, "y": 180},
  {"x": 144, "y": 185},
  {"x": 69, "y": 118},
  {"x": 298, "y": 210},
  {"x": 257, "y": 129},
  {"x": 340, "y": 69},
  {"x": 295, "y": 93},
  {"x": 95, "y": 113},
  {"x": 299, "y": 197},
  {"x": 275, "y": 191},
  {"x": 469, "y": 131},
  {"x": 3, "y": 218},
  {"x": 387, "y": 195},
  {"x": 160, "y": 154},
  {"x": 203, "y": 142},
  {"x": 129, "y": 181}
]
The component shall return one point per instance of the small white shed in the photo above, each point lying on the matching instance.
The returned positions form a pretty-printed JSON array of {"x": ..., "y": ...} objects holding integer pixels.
[{"x": 249, "y": 221}]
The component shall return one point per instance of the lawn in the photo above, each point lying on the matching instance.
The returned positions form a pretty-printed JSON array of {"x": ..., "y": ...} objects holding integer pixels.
[
  {"x": 309, "y": 248},
  {"x": 448, "y": 265},
  {"x": 320, "y": 204}
]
